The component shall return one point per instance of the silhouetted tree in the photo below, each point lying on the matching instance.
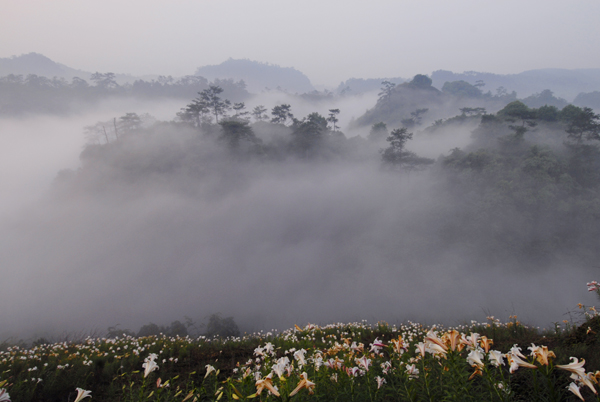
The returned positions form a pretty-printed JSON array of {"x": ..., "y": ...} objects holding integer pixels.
[
  {"x": 379, "y": 132},
  {"x": 211, "y": 99},
  {"x": 259, "y": 113},
  {"x": 195, "y": 113},
  {"x": 517, "y": 110},
  {"x": 129, "y": 122},
  {"x": 221, "y": 327},
  {"x": 177, "y": 328},
  {"x": 333, "y": 118},
  {"x": 238, "y": 135},
  {"x": 281, "y": 114},
  {"x": 582, "y": 124},
  {"x": 308, "y": 134},
  {"x": 469, "y": 111},
  {"x": 240, "y": 112},
  {"x": 104, "y": 81},
  {"x": 149, "y": 330},
  {"x": 395, "y": 155},
  {"x": 386, "y": 91}
]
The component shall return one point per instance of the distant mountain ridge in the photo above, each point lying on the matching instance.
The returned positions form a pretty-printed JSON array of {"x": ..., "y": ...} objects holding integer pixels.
[
  {"x": 563, "y": 82},
  {"x": 259, "y": 76},
  {"x": 38, "y": 64}
]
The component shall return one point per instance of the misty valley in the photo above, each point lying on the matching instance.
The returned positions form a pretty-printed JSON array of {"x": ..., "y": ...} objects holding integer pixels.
[{"x": 186, "y": 224}]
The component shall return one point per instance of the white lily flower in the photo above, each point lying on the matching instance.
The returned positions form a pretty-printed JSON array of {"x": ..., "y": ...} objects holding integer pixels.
[
  {"x": 515, "y": 362},
  {"x": 575, "y": 389},
  {"x": 471, "y": 342},
  {"x": 280, "y": 367},
  {"x": 149, "y": 366},
  {"x": 209, "y": 369},
  {"x": 412, "y": 371},
  {"x": 376, "y": 346},
  {"x": 269, "y": 347},
  {"x": 81, "y": 394},
  {"x": 575, "y": 367},
  {"x": 420, "y": 349},
  {"x": 496, "y": 358},
  {"x": 474, "y": 358},
  {"x": 435, "y": 343},
  {"x": 4, "y": 397},
  {"x": 299, "y": 355},
  {"x": 516, "y": 351},
  {"x": 364, "y": 362}
]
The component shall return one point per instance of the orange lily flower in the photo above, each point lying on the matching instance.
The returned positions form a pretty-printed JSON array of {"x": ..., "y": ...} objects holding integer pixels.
[
  {"x": 267, "y": 383},
  {"x": 304, "y": 383}
]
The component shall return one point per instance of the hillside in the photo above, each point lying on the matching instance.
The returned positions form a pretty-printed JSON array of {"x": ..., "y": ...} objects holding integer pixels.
[
  {"x": 355, "y": 86},
  {"x": 258, "y": 76},
  {"x": 38, "y": 64},
  {"x": 565, "y": 83}
]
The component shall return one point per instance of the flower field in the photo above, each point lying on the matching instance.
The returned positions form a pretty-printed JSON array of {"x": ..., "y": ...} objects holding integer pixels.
[{"x": 489, "y": 361}]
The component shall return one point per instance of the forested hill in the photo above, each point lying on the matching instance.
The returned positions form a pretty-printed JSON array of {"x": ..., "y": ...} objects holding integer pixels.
[
  {"x": 565, "y": 83},
  {"x": 418, "y": 102},
  {"x": 258, "y": 76}
]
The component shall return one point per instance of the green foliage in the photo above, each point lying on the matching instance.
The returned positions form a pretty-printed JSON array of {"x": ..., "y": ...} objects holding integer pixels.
[
  {"x": 239, "y": 136},
  {"x": 548, "y": 113},
  {"x": 517, "y": 110},
  {"x": 470, "y": 111},
  {"x": 259, "y": 113},
  {"x": 582, "y": 124},
  {"x": 308, "y": 135},
  {"x": 395, "y": 155},
  {"x": 281, "y": 114},
  {"x": 462, "y": 89},
  {"x": 333, "y": 118},
  {"x": 386, "y": 91},
  {"x": 212, "y": 101},
  {"x": 104, "y": 81},
  {"x": 421, "y": 81},
  {"x": 379, "y": 132}
]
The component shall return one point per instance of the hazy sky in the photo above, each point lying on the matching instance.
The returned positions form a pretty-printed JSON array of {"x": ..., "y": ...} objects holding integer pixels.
[{"x": 328, "y": 40}]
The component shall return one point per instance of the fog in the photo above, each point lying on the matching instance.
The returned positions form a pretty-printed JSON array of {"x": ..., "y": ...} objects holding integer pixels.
[{"x": 272, "y": 244}]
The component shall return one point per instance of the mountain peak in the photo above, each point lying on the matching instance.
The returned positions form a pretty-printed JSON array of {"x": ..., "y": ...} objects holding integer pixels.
[{"x": 258, "y": 75}]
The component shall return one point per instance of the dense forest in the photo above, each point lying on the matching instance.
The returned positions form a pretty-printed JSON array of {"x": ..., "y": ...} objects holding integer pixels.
[
  {"x": 526, "y": 188},
  {"x": 28, "y": 94}
]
